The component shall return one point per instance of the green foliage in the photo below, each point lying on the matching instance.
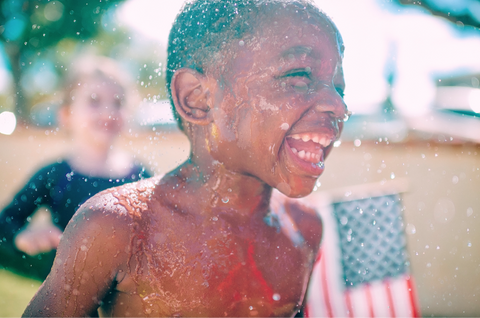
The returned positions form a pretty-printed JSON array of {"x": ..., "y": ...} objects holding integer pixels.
[
  {"x": 29, "y": 28},
  {"x": 37, "y": 24}
]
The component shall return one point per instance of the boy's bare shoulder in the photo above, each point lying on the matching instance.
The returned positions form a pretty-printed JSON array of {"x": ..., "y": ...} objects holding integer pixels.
[
  {"x": 306, "y": 218},
  {"x": 128, "y": 200},
  {"x": 114, "y": 209}
]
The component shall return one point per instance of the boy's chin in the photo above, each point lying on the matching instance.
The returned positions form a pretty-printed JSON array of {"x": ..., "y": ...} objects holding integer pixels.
[{"x": 295, "y": 191}]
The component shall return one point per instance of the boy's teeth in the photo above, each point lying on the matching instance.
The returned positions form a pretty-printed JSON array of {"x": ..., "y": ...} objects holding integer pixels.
[
  {"x": 322, "y": 140},
  {"x": 307, "y": 155}
]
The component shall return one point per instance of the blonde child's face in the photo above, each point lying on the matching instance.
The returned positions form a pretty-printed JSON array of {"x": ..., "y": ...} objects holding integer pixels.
[
  {"x": 280, "y": 108},
  {"x": 96, "y": 113}
]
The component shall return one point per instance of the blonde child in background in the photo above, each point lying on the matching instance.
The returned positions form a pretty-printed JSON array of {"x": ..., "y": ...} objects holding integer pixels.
[{"x": 93, "y": 110}]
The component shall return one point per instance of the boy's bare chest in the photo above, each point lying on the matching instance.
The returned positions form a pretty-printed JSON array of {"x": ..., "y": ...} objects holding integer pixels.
[{"x": 216, "y": 269}]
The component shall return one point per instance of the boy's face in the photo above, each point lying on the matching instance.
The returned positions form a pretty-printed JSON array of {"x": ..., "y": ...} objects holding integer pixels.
[{"x": 278, "y": 107}]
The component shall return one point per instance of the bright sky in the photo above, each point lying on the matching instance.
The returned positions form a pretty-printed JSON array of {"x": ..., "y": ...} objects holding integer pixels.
[{"x": 418, "y": 44}]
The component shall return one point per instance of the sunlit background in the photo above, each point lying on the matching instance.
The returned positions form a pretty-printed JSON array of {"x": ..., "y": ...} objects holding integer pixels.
[{"x": 412, "y": 71}]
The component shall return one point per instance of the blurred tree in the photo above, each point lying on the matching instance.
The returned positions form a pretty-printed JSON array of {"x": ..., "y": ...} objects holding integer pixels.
[
  {"x": 465, "y": 12},
  {"x": 29, "y": 27}
]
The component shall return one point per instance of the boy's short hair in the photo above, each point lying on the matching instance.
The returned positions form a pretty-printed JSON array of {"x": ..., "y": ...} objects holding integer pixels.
[{"x": 203, "y": 28}]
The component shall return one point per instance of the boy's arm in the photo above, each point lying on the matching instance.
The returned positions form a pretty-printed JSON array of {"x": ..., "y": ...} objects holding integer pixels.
[{"x": 88, "y": 259}]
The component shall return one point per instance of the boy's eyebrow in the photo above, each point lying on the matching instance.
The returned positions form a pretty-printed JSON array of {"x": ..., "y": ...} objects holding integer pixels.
[{"x": 296, "y": 50}]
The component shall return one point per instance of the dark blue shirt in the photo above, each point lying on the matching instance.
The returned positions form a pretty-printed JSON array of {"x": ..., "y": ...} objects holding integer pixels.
[{"x": 62, "y": 190}]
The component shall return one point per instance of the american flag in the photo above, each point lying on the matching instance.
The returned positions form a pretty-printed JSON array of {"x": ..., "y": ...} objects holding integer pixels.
[{"x": 363, "y": 267}]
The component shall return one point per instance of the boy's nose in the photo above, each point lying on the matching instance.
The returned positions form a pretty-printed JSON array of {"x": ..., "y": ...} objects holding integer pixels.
[{"x": 330, "y": 101}]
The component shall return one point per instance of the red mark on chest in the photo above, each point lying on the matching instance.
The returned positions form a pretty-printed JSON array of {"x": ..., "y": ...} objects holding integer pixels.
[{"x": 246, "y": 281}]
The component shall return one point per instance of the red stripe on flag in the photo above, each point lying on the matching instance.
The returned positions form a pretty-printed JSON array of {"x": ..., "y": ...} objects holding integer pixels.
[
  {"x": 411, "y": 293},
  {"x": 348, "y": 301},
  {"x": 369, "y": 300},
  {"x": 306, "y": 310},
  {"x": 390, "y": 298},
  {"x": 326, "y": 294}
]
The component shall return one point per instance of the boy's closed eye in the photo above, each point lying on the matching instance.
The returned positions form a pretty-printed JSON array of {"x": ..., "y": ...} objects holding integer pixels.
[
  {"x": 305, "y": 75},
  {"x": 299, "y": 79},
  {"x": 300, "y": 72}
]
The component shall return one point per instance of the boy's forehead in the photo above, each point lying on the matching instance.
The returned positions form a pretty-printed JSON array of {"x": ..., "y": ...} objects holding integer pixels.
[{"x": 296, "y": 34}]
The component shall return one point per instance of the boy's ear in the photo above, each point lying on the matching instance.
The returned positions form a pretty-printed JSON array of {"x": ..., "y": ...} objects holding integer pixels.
[{"x": 191, "y": 96}]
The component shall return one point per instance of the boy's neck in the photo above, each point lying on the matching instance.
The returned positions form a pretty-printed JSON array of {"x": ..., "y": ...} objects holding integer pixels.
[{"x": 211, "y": 187}]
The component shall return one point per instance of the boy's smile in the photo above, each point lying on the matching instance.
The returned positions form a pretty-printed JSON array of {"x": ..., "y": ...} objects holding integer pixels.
[{"x": 279, "y": 109}]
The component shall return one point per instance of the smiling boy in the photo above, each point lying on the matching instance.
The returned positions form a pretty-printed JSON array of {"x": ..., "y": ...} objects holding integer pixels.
[{"x": 257, "y": 88}]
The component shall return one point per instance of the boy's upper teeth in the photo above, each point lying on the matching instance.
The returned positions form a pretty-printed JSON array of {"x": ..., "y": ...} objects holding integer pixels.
[{"x": 319, "y": 139}]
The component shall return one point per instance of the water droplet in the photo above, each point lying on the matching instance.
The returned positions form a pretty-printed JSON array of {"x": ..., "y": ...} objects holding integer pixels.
[
  {"x": 410, "y": 229},
  {"x": 241, "y": 43},
  {"x": 455, "y": 180},
  {"x": 225, "y": 200},
  {"x": 469, "y": 212},
  {"x": 392, "y": 175},
  {"x": 276, "y": 297},
  {"x": 214, "y": 219},
  {"x": 344, "y": 220},
  {"x": 284, "y": 126},
  {"x": 251, "y": 308},
  {"x": 357, "y": 142},
  {"x": 469, "y": 244}
]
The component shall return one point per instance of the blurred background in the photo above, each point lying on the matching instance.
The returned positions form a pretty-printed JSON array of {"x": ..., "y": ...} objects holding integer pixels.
[{"x": 413, "y": 83}]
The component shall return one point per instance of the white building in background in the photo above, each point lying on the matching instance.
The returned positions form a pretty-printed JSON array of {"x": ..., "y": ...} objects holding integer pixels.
[{"x": 420, "y": 47}]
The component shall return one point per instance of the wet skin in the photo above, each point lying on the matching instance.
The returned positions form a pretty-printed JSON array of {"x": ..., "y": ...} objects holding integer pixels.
[
  {"x": 291, "y": 84},
  {"x": 210, "y": 238}
]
